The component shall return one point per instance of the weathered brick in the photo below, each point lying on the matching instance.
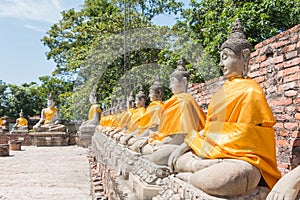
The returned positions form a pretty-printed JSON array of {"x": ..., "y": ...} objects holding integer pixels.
[
  {"x": 297, "y": 116},
  {"x": 254, "y": 53},
  {"x": 291, "y": 70},
  {"x": 291, "y": 93},
  {"x": 298, "y": 44},
  {"x": 282, "y": 142},
  {"x": 282, "y": 133},
  {"x": 291, "y": 126},
  {"x": 288, "y": 48},
  {"x": 280, "y": 43},
  {"x": 259, "y": 79},
  {"x": 279, "y": 125},
  {"x": 281, "y": 102},
  {"x": 277, "y": 109},
  {"x": 291, "y": 54},
  {"x": 292, "y": 77},
  {"x": 296, "y": 134},
  {"x": 283, "y": 117},
  {"x": 288, "y": 86},
  {"x": 283, "y": 165},
  {"x": 279, "y": 66},
  {"x": 261, "y": 58},
  {"x": 254, "y": 67},
  {"x": 296, "y": 101},
  {"x": 259, "y": 45},
  {"x": 293, "y": 62},
  {"x": 294, "y": 38}
]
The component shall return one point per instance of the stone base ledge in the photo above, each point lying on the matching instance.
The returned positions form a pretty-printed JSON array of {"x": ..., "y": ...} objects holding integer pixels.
[{"x": 49, "y": 138}]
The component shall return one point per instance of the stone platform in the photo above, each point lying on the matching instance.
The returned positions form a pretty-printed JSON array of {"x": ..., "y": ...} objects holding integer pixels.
[
  {"x": 84, "y": 139},
  {"x": 49, "y": 139},
  {"x": 128, "y": 176}
]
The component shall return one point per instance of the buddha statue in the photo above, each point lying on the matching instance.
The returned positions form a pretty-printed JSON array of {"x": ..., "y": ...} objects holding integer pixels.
[
  {"x": 21, "y": 123},
  {"x": 93, "y": 116},
  {"x": 287, "y": 187},
  {"x": 1, "y": 123},
  {"x": 181, "y": 114},
  {"x": 236, "y": 150},
  {"x": 134, "y": 123},
  {"x": 150, "y": 120},
  {"x": 50, "y": 118}
]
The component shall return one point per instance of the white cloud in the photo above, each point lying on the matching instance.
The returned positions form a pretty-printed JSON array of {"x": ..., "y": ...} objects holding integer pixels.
[
  {"x": 37, "y": 10},
  {"x": 35, "y": 28}
]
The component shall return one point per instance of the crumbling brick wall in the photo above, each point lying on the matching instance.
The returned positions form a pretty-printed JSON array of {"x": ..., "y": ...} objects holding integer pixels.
[{"x": 275, "y": 65}]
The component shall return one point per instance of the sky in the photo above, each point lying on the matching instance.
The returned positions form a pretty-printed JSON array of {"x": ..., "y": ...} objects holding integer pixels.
[{"x": 23, "y": 24}]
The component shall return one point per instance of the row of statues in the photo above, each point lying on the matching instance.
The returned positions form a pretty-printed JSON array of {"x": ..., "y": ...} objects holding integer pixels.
[{"x": 229, "y": 151}]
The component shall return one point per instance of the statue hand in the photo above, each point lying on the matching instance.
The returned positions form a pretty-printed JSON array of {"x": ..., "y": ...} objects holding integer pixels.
[{"x": 176, "y": 154}]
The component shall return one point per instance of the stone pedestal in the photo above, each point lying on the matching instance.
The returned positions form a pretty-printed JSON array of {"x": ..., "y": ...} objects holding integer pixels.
[
  {"x": 49, "y": 138},
  {"x": 14, "y": 145},
  {"x": 84, "y": 139},
  {"x": 141, "y": 189},
  {"x": 4, "y": 150}
]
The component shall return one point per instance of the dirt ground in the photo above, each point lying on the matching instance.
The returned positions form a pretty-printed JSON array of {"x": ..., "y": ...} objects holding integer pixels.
[{"x": 52, "y": 173}]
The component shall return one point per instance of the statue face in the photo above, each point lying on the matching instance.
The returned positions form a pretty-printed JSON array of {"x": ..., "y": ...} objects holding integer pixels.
[
  {"x": 93, "y": 99},
  {"x": 50, "y": 103},
  {"x": 231, "y": 64},
  {"x": 139, "y": 102},
  {"x": 177, "y": 86},
  {"x": 152, "y": 95}
]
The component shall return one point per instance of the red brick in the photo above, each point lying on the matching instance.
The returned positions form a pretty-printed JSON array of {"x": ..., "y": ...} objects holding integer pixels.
[
  {"x": 282, "y": 117},
  {"x": 259, "y": 79},
  {"x": 281, "y": 142},
  {"x": 280, "y": 43},
  {"x": 291, "y": 125},
  {"x": 279, "y": 66},
  {"x": 259, "y": 45},
  {"x": 278, "y": 109},
  {"x": 282, "y": 133},
  {"x": 253, "y": 54},
  {"x": 283, "y": 165},
  {"x": 296, "y": 134},
  {"x": 254, "y": 67},
  {"x": 296, "y": 101},
  {"x": 261, "y": 58},
  {"x": 288, "y": 86},
  {"x": 291, "y": 70},
  {"x": 278, "y": 125},
  {"x": 291, "y": 93},
  {"x": 293, "y": 62},
  {"x": 292, "y": 77},
  {"x": 281, "y": 102},
  {"x": 297, "y": 116},
  {"x": 288, "y": 48},
  {"x": 298, "y": 44},
  {"x": 291, "y": 54},
  {"x": 294, "y": 38}
]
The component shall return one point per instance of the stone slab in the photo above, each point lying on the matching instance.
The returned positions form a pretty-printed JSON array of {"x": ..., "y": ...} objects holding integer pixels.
[
  {"x": 49, "y": 139},
  {"x": 141, "y": 189}
]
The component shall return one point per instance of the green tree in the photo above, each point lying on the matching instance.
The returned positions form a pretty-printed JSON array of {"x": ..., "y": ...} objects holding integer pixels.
[
  {"x": 3, "y": 97},
  {"x": 209, "y": 21}
]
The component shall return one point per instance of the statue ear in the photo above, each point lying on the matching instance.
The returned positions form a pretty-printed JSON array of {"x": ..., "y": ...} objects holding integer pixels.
[
  {"x": 185, "y": 81},
  {"x": 246, "y": 58}
]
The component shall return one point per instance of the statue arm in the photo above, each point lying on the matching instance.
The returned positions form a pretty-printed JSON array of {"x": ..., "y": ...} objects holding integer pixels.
[
  {"x": 56, "y": 118},
  {"x": 16, "y": 124},
  {"x": 43, "y": 117},
  {"x": 184, "y": 147}
]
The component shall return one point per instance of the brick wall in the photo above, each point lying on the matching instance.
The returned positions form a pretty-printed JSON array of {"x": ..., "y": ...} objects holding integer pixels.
[{"x": 275, "y": 65}]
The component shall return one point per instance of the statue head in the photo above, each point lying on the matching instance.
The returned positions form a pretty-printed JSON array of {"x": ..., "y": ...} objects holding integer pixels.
[
  {"x": 50, "y": 101},
  {"x": 235, "y": 53},
  {"x": 131, "y": 100},
  {"x": 93, "y": 97},
  {"x": 140, "y": 98},
  {"x": 156, "y": 90},
  {"x": 179, "y": 78},
  {"x": 21, "y": 114}
]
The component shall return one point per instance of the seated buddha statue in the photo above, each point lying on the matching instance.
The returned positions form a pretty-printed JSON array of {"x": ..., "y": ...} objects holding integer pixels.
[
  {"x": 150, "y": 120},
  {"x": 236, "y": 150},
  {"x": 50, "y": 118},
  {"x": 21, "y": 123},
  {"x": 181, "y": 114},
  {"x": 287, "y": 187},
  {"x": 134, "y": 123},
  {"x": 93, "y": 115},
  {"x": 1, "y": 123}
]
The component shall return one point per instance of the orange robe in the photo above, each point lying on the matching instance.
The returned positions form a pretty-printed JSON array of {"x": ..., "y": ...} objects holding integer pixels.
[
  {"x": 49, "y": 114},
  {"x": 22, "y": 121},
  {"x": 134, "y": 123},
  {"x": 93, "y": 110},
  {"x": 239, "y": 126},
  {"x": 125, "y": 119},
  {"x": 151, "y": 117},
  {"x": 181, "y": 114}
]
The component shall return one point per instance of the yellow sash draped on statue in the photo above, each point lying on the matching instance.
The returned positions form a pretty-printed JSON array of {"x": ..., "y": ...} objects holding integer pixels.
[
  {"x": 152, "y": 115},
  {"x": 239, "y": 126},
  {"x": 22, "y": 121},
  {"x": 49, "y": 114},
  {"x": 135, "y": 119},
  {"x": 125, "y": 119},
  {"x": 181, "y": 114},
  {"x": 0, "y": 122},
  {"x": 93, "y": 110}
]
